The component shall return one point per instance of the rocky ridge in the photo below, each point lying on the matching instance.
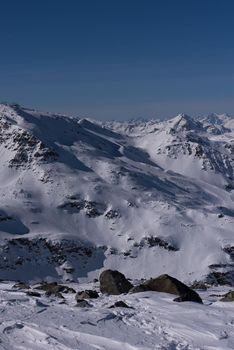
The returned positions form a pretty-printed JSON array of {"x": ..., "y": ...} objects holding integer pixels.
[{"x": 79, "y": 196}]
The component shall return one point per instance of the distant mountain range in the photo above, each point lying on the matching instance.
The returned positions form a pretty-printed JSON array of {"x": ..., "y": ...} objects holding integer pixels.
[{"x": 146, "y": 197}]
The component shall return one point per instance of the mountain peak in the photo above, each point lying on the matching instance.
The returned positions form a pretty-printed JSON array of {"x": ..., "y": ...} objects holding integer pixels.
[
  {"x": 184, "y": 122},
  {"x": 139, "y": 193}
]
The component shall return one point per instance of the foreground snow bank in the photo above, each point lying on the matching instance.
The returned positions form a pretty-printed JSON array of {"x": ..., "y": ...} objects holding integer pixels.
[{"x": 153, "y": 322}]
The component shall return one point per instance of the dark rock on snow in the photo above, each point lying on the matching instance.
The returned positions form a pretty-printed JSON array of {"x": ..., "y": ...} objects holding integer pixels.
[
  {"x": 120, "y": 304},
  {"x": 54, "y": 287},
  {"x": 228, "y": 297},
  {"x": 83, "y": 303},
  {"x": 114, "y": 283},
  {"x": 87, "y": 294},
  {"x": 32, "y": 293},
  {"x": 152, "y": 241},
  {"x": 54, "y": 294},
  {"x": 217, "y": 278},
  {"x": 168, "y": 284},
  {"x": 189, "y": 296},
  {"x": 21, "y": 285},
  {"x": 199, "y": 285}
]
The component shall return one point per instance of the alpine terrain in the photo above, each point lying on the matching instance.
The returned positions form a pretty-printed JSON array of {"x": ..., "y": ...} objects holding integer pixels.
[{"x": 146, "y": 198}]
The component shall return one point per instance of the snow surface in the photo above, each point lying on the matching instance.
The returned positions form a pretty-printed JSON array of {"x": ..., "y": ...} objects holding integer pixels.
[
  {"x": 144, "y": 197},
  {"x": 114, "y": 185},
  {"x": 153, "y": 322}
]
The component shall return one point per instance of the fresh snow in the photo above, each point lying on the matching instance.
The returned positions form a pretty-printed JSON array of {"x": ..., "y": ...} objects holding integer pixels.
[
  {"x": 143, "y": 197},
  {"x": 153, "y": 322},
  {"x": 167, "y": 179}
]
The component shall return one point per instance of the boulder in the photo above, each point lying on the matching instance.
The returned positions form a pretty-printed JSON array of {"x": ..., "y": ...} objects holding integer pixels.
[
  {"x": 68, "y": 290},
  {"x": 54, "y": 294},
  {"x": 189, "y": 296},
  {"x": 120, "y": 304},
  {"x": 228, "y": 297},
  {"x": 168, "y": 284},
  {"x": 114, "y": 283},
  {"x": 83, "y": 303},
  {"x": 87, "y": 294}
]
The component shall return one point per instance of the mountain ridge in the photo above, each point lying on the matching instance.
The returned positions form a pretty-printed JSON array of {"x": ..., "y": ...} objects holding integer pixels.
[{"x": 125, "y": 191}]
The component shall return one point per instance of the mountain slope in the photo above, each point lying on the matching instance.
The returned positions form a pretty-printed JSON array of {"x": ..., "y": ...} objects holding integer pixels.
[{"x": 146, "y": 198}]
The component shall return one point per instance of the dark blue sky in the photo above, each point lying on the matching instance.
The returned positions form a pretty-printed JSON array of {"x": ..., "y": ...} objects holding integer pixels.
[{"x": 118, "y": 58}]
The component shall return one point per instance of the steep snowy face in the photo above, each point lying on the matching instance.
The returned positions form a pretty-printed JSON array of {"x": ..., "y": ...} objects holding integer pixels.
[
  {"x": 215, "y": 119},
  {"x": 192, "y": 148},
  {"x": 145, "y": 197},
  {"x": 216, "y": 124},
  {"x": 133, "y": 127},
  {"x": 183, "y": 123}
]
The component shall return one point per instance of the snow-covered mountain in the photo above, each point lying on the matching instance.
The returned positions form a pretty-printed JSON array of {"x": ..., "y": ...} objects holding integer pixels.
[{"x": 146, "y": 197}]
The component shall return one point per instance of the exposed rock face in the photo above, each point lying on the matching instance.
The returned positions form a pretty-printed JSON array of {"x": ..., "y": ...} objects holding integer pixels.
[
  {"x": 66, "y": 257},
  {"x": 228, "y": 297},
  {"x": 87, "y": 294},
  {"x": 27, "y": 147},
  {"x": 220, "y": 278},
  {"x": 230, "y": 251},
  {"x": 157, "y": 242},
  {"x": 91, "y": 209},
  {"x": 168, "y": 284},
  {"x": 114, "y": 283},
  {"x": 112, "y": 214}
]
